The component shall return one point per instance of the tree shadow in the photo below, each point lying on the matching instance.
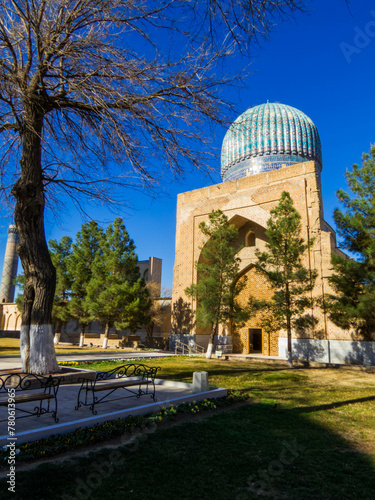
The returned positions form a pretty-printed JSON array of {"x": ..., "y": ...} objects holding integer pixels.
[
  {"x": 9, "y": 350},
  {"x": 243, "y": 453},
  {"x": 183, "y": 319},
  {"x": 309, "y": 351},
  {"x": 331, "y": 406}
]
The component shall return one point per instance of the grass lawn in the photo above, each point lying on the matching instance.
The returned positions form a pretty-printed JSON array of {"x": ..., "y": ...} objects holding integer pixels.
[
  {"x": 12, "y": 346},
  {"x": 318, "y": 442}
]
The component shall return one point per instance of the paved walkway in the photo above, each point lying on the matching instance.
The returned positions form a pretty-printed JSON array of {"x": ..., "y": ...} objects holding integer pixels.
[
  {"x": 14, "y": 360},
  {"x": 33, "y": 428},
  {"x": 258, "y": 357}
]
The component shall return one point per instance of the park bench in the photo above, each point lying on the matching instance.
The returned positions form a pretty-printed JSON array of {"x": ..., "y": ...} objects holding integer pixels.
[
  {"x": 20, "y": 388},
  {"x": 135, "y": 380}
]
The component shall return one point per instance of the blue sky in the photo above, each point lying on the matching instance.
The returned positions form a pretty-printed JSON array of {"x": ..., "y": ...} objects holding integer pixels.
[{"x": 321, "y": 63}]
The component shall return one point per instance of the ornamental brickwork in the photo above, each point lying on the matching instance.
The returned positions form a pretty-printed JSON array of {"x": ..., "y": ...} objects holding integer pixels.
[{"x": 247, "y": 203}]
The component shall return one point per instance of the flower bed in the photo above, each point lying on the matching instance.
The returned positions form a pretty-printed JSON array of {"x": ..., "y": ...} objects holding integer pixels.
[{"x": 108, "y": 430}]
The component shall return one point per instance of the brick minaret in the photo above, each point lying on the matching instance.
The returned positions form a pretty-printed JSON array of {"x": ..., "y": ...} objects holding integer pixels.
[{"x": 7, "y": 287}]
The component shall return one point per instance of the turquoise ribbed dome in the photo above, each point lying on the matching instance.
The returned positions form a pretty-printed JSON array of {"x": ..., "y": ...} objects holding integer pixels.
[{"x": 268, "y": 137}]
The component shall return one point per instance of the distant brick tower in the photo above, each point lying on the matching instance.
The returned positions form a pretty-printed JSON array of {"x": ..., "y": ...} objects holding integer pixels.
[{"x": 7, "y": 287}]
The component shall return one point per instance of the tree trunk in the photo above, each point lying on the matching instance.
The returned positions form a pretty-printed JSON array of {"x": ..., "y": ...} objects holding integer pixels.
[
  {"x": 149, "y": 332},
  {"x": 211, "y": 342},
  {"x": 56, "y": 339},
  {"x": 82, "y": 336},
  {"x": 106, "y": 333},
  {"x": 289, "y": 328},
  {"x": 36, "y": 339}
]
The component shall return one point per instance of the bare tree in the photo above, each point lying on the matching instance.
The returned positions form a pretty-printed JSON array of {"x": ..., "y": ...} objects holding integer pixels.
[{"x": 96, "y": 94}]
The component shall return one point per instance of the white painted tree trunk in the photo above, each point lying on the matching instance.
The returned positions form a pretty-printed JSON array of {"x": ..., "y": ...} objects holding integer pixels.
[
  {"x": 37, "y": 350},
  {"x": 56, "y": 338},
  {"x": 105, "y": 343},
  {"x": 81, "y": 340},
  {"x": 290, "y": 360},
  {"x": 209, "y": 351}
]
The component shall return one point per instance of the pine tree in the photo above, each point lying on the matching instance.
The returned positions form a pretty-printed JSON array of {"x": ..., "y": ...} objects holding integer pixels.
[
  {"x": 60, "y": 253},
  {"x": 117, "y": 295},
  {"x": 352, "y": 305},
  {"x": 80, "y": 266},
  {"x": 282, "y": 265},
  {"x": 217, "y": 286}
]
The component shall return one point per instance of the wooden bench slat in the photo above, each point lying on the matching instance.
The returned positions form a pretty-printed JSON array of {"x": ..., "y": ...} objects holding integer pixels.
[
  {"x": 24, "y": 398},
  {"x": 116, "y": 385}
]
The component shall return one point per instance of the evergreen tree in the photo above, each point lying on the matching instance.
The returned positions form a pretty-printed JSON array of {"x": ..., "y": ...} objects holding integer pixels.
[
  {"x": 117, "y": 295},
  {"x": 80, "y": 268},
  {"x": 60, "y": 253},
  {"x": 352, "y": 305},
  {"x": 20, "y": 284},
  {"x": 217, "y": 286},
  {"x": 282, "y": 265}
]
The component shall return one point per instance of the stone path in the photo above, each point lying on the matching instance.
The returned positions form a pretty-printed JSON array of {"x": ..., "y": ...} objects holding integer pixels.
[{"x": 14, "y": 360}]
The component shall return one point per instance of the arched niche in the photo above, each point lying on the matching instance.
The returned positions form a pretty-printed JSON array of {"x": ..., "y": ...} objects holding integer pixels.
[
  {"x": 18, "y": 323},
  {"x": 8, "y": 321},
  {"x": 250, "y": 239},
  {"x": 251, "y": 235}
]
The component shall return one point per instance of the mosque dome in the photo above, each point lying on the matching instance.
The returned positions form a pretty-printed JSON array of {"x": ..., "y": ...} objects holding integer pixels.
[{"x": 267, "y": 137}]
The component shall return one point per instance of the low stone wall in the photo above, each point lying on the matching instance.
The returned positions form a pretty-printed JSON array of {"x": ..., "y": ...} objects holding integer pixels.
[{"x": 340, "y": 352}]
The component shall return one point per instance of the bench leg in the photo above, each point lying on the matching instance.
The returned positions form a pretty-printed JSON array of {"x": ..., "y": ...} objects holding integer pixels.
[
  {"x": 92, "y": 406},
  {"x": 152, "y": 395},
  {"x": 54, "y": 413},
  {"x": 39, "y": 410},
  {"x": 87, "y": 387},
  {"x": 79, "y": 404}
]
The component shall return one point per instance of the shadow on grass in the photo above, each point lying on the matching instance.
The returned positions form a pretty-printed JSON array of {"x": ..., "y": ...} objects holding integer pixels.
[
  {"x": 331, "y": 406},
  {"x": 9, "y": 350},
  {"x": 171, "y": 373},
  {"x": 245, "y": 453}
]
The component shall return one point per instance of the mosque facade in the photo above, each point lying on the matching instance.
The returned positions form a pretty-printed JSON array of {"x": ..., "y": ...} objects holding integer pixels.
[{"x": 269, "y": 149}]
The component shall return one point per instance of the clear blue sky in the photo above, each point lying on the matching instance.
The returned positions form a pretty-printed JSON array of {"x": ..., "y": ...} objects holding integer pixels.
[{"x": 319, "y": 63}]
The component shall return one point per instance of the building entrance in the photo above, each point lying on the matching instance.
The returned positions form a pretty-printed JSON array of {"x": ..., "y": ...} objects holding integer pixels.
[{"x": 255, "y": 335}]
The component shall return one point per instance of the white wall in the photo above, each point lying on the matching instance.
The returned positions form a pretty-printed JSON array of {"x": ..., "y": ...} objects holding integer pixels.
[{"x": 342, "y": 352}]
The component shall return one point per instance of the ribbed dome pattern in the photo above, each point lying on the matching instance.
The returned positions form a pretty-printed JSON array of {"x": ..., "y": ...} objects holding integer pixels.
[{"x": 267, "y": 137}]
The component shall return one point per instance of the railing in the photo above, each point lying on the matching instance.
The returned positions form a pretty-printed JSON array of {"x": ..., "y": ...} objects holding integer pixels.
[
  {"x": 188, "y": 349},
  {"x": 221, "y": 349}
]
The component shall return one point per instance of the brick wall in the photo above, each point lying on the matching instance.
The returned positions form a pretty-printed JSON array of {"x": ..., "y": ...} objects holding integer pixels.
[{"x": 247, "y": 202}]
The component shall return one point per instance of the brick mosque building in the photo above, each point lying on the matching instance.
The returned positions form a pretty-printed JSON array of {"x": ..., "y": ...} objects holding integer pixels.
[{"x": 269, "y": 149}]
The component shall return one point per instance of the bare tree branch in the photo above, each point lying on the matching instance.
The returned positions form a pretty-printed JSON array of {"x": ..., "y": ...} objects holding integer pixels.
[
  {"x": 9, "y": 126},
  {"x": 97, "y": 95}
]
